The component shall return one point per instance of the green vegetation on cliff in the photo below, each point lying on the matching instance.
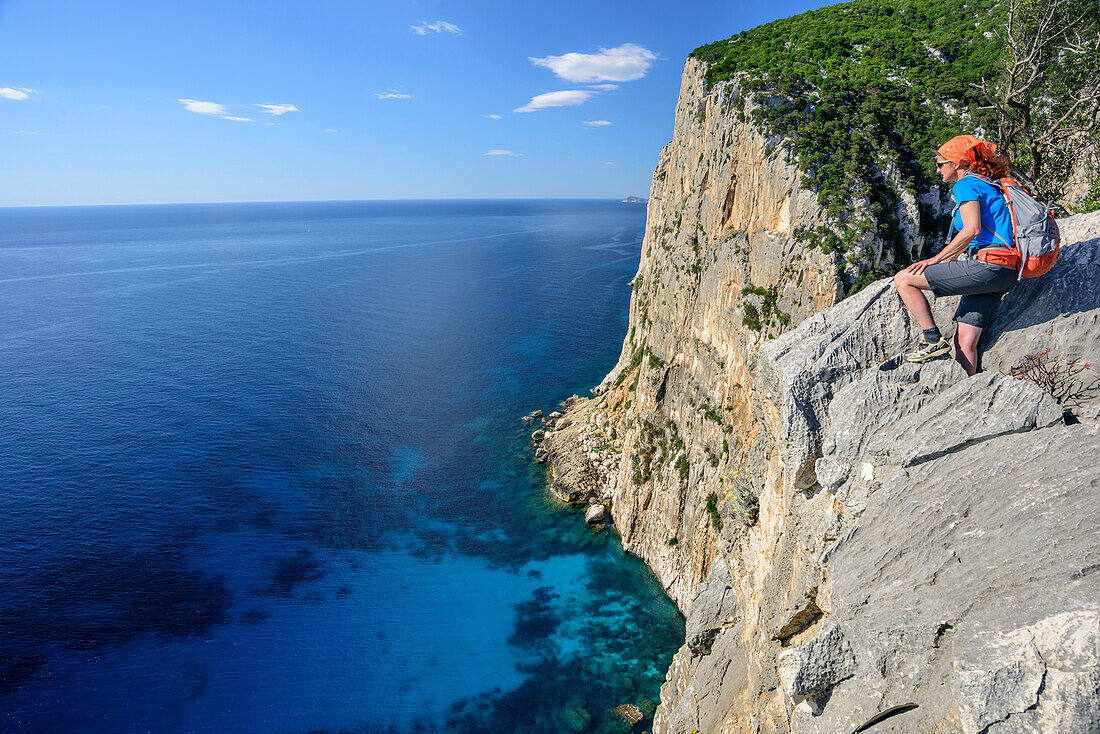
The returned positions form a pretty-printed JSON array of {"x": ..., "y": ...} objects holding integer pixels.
[{"x": 861, "y": 89}]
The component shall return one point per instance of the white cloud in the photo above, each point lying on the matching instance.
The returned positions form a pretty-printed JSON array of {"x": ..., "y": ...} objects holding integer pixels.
[
  {"x": 623, "y": 64},
  {"x": 492, "y": 117},
  {"x": 392, "y": 94},
  {"x": 603, "y": 87},
  {"x": 565, "y": 98},
  {"x": 15, "y": 92},
  {"x": 596, "y": 123},
  {"x": 24, "y": 132},
  {"x": 277, "y": 109},
  {"x": 609, "y": 163},
  {"x": 498, "y": 151},
  {"x": 440, "y": 26},
  {"x": 211, "y": 108},
  {"x": 330, "y": 130},
  {"x": 204, "y": 108}
]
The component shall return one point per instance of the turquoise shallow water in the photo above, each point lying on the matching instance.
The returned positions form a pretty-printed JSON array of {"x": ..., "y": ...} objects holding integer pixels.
[{"x": 264, "y": 470}]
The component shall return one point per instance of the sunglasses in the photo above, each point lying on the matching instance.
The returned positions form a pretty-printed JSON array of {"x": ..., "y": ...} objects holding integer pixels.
[{"x": 941, "y": 164}]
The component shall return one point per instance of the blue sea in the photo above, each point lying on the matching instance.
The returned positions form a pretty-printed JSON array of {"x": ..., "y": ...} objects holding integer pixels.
[{"x": 262, "y": 469}]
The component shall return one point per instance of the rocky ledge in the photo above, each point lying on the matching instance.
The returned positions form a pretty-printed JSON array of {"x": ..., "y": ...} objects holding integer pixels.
[{"x": 917, "y": 543}]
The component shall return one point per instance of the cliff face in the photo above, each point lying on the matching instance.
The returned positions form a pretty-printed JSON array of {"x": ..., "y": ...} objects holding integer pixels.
[{"x": 845, "y": 532}]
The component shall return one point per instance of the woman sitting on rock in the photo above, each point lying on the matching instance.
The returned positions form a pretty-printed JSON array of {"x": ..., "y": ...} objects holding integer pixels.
[{"x": 981, "y": 220}]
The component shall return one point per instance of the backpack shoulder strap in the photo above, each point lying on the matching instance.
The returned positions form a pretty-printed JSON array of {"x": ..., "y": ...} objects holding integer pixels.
[
  {"x": 996, "y": 185},
  {"x": 985, "y": 179}
]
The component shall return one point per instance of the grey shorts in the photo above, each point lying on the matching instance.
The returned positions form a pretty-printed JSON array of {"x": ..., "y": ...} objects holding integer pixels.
[{"x": 981, "y": 286}]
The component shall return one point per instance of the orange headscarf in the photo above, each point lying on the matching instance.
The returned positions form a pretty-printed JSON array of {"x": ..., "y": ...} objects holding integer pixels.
[{"x": 963, "y": 150}]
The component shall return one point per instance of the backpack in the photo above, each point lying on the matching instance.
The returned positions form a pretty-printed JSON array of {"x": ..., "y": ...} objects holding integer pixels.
[{"x": 1035, "y": 234}]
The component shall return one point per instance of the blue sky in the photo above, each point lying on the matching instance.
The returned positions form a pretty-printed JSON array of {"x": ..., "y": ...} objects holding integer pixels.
[{"x": 119, "y": 102}]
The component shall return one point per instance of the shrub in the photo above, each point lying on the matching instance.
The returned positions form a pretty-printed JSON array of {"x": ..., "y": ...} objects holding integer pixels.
[
  {"x": 743, "y": 503},
  {"x": 712, "y": 510},
  {"x": 751, "y": 318},
  {"x": 1090, "y": 202},
  {"x": 1065, "y": 381},
  {"x": 866, "y": 279},
  {"x": 683, "y": 466},
  {"x": 755, "y": 318}
]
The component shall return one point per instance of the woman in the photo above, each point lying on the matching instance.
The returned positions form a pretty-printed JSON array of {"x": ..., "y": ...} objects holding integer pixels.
[{"x": 981, "y": 220}]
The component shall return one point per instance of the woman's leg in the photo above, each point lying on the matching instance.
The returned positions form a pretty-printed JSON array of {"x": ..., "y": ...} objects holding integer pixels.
[
  {"x": 909, "y": 288},
  {"x": 966, "y": 346}
]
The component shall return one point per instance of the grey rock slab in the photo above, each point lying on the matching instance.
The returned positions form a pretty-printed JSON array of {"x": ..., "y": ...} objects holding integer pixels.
[
  {"x": 714, "y": 603},
  {"x": 1038, "y": 678},
  {"x": 1005, "y": 530},
  {"x": 989, "y": 555},
  {"x": 977, "y": 409},
  {"x": 997, "y": 678},
  {"x": 866, "y": 410},
  {"x": 802, "y": 370},
  {"x": 817, "y": 665}
]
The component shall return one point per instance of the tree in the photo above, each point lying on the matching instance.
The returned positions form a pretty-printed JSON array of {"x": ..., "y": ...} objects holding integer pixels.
[{"x": 1047, "y": 96}]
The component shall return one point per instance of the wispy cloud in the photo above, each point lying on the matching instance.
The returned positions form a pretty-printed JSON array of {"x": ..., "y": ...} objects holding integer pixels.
[
  {"x": 423, "y": 28},
  {"x": 15, "y": 92},
  {"x": 492, "y": 117},
  {"x": 392, "y": 94},
  {"x": 596, "y": 123},
  {"x": 623, "y": 64},
  {"x": 211, "y": 108},
  {"x": 24, "y": 132},
  {"x": 203, "y": 108},
  {"x": 330, "y": 130},
  {"x": 603, "y": 87},
  {"x": 277, "y": 109},
  {"x": 564, "y": 98},
  {"x": 506, "y": 153}
]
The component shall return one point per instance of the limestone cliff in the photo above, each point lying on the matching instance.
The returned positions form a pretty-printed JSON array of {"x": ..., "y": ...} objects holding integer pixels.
[{"x": 845, "y": 532}]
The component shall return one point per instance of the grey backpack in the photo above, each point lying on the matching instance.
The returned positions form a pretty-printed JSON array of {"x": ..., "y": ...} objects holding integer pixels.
[{"x": 1035, "y": 234}]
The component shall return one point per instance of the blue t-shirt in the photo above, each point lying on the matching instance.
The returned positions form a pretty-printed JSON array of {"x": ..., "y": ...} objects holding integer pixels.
[{"x": 994, "y": 210}]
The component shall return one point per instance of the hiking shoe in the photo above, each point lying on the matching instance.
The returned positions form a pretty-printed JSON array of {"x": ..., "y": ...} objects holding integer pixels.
[{"x": 926, "y": 351}]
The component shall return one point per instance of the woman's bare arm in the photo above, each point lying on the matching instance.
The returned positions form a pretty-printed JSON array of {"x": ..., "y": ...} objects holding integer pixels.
[{"x": 971, "y": 214}]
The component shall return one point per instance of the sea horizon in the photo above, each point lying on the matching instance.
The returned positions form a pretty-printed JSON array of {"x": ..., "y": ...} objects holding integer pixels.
[{"x": 442, "y": 199}]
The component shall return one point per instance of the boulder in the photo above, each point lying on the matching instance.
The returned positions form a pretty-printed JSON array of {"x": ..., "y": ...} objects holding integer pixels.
[
  {"x": 630, "y": 713},
  {"x": 595, "y": 515},
  {"x": 818, "y": 665}
]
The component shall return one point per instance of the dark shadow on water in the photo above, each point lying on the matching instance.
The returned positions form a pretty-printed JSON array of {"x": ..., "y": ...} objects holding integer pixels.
[
  {"x": 291, "y": 571},
  {"x": 86, "y": 604},
  {"x": 535, "y": 618}
]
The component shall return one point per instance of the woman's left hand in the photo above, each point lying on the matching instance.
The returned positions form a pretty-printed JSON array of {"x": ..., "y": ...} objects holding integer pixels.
[{"x": 918, "y": 267}]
